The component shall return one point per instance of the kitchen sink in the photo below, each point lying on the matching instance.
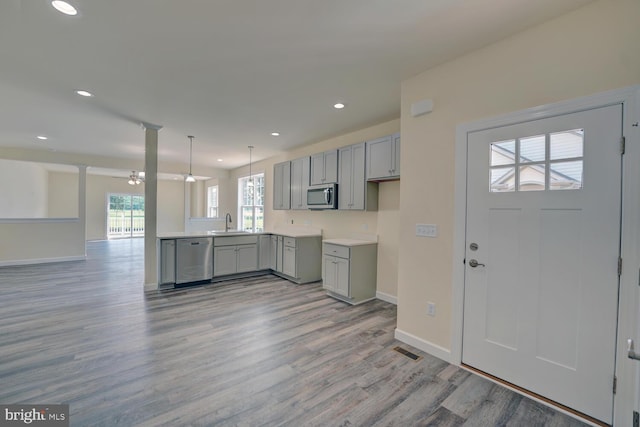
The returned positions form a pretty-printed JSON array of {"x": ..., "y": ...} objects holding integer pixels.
[{"x": 228, "y": 232}]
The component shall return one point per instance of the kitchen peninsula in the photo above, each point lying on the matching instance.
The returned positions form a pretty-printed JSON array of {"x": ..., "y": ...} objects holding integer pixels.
[{"x": 188, "y": 258}]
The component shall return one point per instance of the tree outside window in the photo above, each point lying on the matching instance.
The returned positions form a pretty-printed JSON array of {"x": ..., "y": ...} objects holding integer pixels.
[{"x": 251, "y": 202}]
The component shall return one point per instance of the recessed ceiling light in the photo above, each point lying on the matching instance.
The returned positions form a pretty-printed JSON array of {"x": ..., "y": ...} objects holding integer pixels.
[
  {"x": 42, "y": 137},
  {"x": 84, "y": 93},
  {"x": 219, "y": 160},
  {"x": 338, "y": 106},
  {"x": 64, "y": 7},
  {"x": 275, "y": 133}
]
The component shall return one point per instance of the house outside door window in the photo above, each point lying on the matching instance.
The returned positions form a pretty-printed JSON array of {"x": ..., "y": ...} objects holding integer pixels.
[{"x": 125, "y": 216}]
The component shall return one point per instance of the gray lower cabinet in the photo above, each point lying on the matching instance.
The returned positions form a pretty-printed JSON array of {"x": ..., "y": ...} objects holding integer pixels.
[
  {"x": 273, "y": 253},
  {"x": 235, "y": 254},
  {"x": 167, "y": 264},
  {"x": 335, "y": 274},
  {"x": 264, "y": 256},
  {"x": 186, "y": 260},
  {"x": 299, "y": 258},
  {"x": 289, "y": 265},
  {"x": 349, "y": 271},
  {"x": 279, "y": 249}
]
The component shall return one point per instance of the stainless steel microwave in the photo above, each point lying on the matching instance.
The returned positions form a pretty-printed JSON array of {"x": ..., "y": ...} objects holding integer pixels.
[{"x": 323, "y": 196}]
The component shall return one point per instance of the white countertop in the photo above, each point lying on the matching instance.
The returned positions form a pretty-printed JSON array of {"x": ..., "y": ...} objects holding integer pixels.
[
  {"x": 293, "y": 232},
  {"x": 187, "y": 234},
  {"x": 349, "y": 242}
]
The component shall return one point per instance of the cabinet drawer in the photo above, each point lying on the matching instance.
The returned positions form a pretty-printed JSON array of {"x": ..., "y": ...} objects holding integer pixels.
[
  {"x": 290, "y": 241},
  {"x": 336, "y": 250}
]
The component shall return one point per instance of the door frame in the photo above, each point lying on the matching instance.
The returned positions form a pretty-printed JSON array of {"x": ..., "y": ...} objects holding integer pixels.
[{"x": 627, "y": 370}]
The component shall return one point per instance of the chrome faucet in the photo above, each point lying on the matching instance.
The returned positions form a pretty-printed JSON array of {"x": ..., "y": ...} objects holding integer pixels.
[{"x": 227, "y": 221}]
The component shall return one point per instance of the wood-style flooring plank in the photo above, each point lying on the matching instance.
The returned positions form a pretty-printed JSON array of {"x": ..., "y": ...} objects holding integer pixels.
[{"x": 257, "y": 351}]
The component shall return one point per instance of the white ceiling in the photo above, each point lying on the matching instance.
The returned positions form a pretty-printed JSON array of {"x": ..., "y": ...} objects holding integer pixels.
[{"x": 228, "y": 72}]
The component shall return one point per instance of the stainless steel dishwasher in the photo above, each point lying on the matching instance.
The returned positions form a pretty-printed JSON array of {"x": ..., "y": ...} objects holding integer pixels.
[{"x": 194, "y": 260}]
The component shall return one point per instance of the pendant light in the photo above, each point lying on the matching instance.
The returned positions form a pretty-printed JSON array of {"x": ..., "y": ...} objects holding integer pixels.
[{"x": 190, "y": 177}]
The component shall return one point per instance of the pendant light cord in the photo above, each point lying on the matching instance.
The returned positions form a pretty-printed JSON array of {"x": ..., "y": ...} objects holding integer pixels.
[
  {"x": 190, "y": 152},
  {"x": 252, "y": 188}
]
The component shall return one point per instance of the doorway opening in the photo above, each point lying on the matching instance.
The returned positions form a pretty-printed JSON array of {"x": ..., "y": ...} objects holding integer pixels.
[{"x": 125, "y": 216}]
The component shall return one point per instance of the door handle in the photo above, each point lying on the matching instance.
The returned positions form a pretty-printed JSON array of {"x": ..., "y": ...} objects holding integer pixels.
[
  {"x": 630, "y": 353},
  {"x": 474, "y": 263}
]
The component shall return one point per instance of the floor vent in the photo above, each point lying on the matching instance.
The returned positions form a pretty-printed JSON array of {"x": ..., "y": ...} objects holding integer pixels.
[{"x": 408, "y": 353}]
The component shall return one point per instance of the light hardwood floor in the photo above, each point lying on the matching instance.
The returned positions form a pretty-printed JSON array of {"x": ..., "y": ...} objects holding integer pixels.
[{"x": 251, "y": 352}]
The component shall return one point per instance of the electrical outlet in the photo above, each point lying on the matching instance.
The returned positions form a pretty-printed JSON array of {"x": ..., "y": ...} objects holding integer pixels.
[
  {"x": 365, "y": 227},
  {"x": 426, "y": 230},
  {"x": 431, "y": 309}
]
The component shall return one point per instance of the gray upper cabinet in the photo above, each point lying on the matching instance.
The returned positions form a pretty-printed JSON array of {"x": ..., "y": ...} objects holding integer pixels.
[
  {"x": 354, "y": 192},
  {"x": 324, "y": 167},
  {"x": 282, "y": 185},
  {"x": 383, "y": 158},
  {"x": 300, "y": 176}
]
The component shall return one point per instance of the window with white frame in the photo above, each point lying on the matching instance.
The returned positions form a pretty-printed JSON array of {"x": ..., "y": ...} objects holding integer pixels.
[
  {"x": 251, "y": 202},
  {"x": 212, "y": 201},
  {"x": 552, "y": 161}
]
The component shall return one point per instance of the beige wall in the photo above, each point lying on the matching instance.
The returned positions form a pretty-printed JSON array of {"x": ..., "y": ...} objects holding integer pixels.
[
  {"x": 45, "y": 240},
  {"x": 590, "y": 50},
  {"x": 384, "y": 222},
  {"x": 62, "y": 195}
]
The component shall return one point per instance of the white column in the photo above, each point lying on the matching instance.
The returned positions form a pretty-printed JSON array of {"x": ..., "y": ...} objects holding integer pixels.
[
  {"x": 151, "y": 205},
  {"x": 82, "y": 203}
]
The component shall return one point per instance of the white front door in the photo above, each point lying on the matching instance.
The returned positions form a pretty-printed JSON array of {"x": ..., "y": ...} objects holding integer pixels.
[{"x": 542, "y": 249}]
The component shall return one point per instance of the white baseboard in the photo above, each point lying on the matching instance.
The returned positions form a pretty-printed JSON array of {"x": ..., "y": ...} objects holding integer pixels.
[
  {"x": 426, "y": 346},
  {"x": 41, "y": 260},
  {"x": 386, "y": 297}
]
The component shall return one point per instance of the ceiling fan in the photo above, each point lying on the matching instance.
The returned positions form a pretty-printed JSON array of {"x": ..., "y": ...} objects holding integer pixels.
[{"x": 136, "y": 178}]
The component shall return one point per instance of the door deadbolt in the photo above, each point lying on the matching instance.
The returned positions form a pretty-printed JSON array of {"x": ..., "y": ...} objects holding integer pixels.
[{"x": 473, "y": 246}]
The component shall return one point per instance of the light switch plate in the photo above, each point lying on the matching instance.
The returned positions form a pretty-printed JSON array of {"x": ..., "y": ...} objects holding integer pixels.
[
  {"x": 431, "y": 309},
  {"x": 426, "y": 230}
]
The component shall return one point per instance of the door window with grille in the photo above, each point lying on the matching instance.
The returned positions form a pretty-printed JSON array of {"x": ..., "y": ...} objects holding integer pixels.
[{"x": 125, "y": 216}]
